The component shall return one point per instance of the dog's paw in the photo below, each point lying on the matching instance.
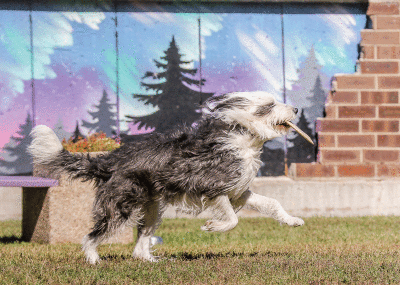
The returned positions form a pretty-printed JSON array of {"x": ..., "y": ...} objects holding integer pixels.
[
  {"x": 154, "y": 258},
  {"x": 294, "y": 222},
  {"x": 217, "y": 226},
  {"x": 93, "y": 259},
  {"x": 149, "y": 258},
  {"x": 210, "y": 226}
]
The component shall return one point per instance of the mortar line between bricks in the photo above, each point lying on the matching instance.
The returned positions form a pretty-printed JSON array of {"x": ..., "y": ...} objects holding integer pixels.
[
  {"x": 344, "y": 104},
  {"x": 370, "y": 90},
  {"x": 388, "y": 30},
  {"x": 359, "y": 133},
  {"x": 378, "y": 60},
  {"x": 349, "y": 148},
  {"x": 380, "y": 119},
  {"x": 365, "y": 90},
  {"x": 361, "y": 105},
  {"x": 335, "y": 168}
]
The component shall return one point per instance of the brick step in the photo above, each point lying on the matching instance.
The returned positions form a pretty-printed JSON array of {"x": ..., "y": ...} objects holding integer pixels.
[{"x": 299, "y": 171}]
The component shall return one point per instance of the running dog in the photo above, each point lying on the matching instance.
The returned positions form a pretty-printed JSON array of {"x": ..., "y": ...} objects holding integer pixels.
[{"x": 208, "y": 165}]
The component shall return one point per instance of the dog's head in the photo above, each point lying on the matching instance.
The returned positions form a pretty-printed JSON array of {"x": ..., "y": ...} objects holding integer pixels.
[{"x": 258, "y": 112}]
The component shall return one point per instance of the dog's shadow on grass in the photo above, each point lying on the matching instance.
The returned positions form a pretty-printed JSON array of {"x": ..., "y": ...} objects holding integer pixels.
[
  {"x": 211, "y": 255},
  {"x": 208, "y": 255},
  {"x": 115, "y": 257},
  {"x": 10, "y": 239}
]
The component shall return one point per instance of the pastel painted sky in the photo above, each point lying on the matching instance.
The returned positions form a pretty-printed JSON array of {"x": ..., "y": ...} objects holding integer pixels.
[{"x": 75, "y": 56}]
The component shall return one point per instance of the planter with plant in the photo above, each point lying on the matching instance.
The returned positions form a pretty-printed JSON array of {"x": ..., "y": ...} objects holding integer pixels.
[
  {"x": 97, "y": 142},
  {"x": 64, "y": 213}
]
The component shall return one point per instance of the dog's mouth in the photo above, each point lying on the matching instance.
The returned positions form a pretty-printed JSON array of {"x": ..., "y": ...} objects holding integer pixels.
[
  {"x": 282, "y": 127},
  {"x": 287, "y": 125}
]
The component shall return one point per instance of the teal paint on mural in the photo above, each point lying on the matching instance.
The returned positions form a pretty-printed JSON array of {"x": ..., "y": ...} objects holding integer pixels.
[
  {"x": 18, "y": 48},
  {"x": 109, "y": 66},
  {"x": 128, "y": 72}
]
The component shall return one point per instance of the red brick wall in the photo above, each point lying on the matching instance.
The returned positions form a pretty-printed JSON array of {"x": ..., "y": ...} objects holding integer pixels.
[{"x": 360, "y": 135}]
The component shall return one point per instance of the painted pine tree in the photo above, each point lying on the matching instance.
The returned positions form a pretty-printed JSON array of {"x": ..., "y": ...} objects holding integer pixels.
[
  {"x": 77, "y": 135},
  {"x": 176, "y": 102},
  {"x": 60, "y": 131},
  {"x": 6, "y": 169},
  {"x": 316, "y": 110},
  {"x": 104, "y": 118},
  {"x": 18, "y": 160},
  {"x": 302, "y": 94},
  {"x": 272, "y": 161},
  {"x": 301, "y": 150}
]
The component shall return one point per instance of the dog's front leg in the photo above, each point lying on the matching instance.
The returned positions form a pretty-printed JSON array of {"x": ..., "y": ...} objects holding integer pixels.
[
  {"x": 146, "y": 228},
  {"x": 224, "y": 218},
  {"x": 268, "y": 206}
]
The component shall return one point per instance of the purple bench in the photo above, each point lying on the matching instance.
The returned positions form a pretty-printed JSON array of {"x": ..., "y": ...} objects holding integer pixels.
[
  {"x": 27, "y": 181},
  {"x": 56, "y": 210},
  {"x": 34, "y": 191}
]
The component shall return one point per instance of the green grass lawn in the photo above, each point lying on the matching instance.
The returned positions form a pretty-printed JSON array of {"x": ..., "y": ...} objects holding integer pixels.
[{"x": 258, "y": 251}]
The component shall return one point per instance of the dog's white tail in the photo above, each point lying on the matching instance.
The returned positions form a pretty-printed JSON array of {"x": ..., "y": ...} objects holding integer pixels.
[{"x": 45, "y": 145}]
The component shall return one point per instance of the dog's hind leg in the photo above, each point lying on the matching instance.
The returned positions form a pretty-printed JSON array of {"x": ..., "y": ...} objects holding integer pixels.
[
  {"x": 225, "y": 217},
  {"x": 146, "y": 228},
  {"x": 103, "y": 229},
  {"x": 89, "y": 246},
  {"x": 108, "y": 221},
  {"x": 93, "y": 239},
  {"x": 268, "y": 206}
]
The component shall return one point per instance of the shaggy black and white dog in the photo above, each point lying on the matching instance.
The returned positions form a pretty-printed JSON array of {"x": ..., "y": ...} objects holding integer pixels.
[{"x": 210, "y": 165}]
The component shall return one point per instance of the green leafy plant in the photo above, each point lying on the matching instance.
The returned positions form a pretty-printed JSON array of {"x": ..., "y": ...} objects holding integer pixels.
[{"x": 94, "y": 143}]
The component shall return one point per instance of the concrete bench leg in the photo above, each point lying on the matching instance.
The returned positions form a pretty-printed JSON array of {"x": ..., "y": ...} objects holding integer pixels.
[
  {"x": 61, "y": 214},
  {"x": 35, "y": 214}
]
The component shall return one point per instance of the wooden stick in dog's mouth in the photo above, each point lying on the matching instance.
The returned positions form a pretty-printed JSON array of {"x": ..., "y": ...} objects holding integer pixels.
[{"x": 303, "y": 134}]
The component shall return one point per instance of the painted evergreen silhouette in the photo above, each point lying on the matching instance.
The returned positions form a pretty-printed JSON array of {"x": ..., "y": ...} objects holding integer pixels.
[
  {"x": 19, "y": 161},
  {"x": 77, "y": 135},
  {"x": 273, "y": 161},
  {"x": 307, "y": 73},
  {"x": 5, "y": 156},
  {"x": 172, "y": 94},
  {"x": 104, "y": 118},
  {"x": 302, "y": 95},
  {"x": 59, "y": 130},
  {"x": 301, "y": 150},
  {"x": 316, "y": 110}
]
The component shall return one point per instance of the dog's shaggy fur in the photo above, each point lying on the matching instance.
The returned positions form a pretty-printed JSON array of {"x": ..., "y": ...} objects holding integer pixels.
[{"x": 210, "y": 165}]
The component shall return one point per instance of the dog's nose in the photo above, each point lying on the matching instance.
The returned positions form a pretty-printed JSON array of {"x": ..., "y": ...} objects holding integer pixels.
[{"x": 295, "y": 110}]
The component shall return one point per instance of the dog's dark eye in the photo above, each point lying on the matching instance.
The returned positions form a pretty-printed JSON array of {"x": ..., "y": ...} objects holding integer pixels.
[{"x": 264, "y": 110}]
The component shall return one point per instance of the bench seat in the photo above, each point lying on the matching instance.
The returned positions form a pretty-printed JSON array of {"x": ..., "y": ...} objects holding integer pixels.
[{"x": 27, "y": 181}]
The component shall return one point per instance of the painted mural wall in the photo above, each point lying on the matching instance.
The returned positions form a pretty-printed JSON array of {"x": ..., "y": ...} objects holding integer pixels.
[{"x": 134, "y": 69}]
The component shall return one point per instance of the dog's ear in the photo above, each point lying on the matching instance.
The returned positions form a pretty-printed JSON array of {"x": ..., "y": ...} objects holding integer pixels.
[
  {"x": 264, "y": 110},
  {"x": 211, "y": 103},
  {"x": 227, "y": 102}
]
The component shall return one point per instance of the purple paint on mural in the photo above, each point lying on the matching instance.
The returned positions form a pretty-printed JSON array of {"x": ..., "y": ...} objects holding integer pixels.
[
  {"x": 237, "y": 77},
  {"x": 68, "y": 96}
]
